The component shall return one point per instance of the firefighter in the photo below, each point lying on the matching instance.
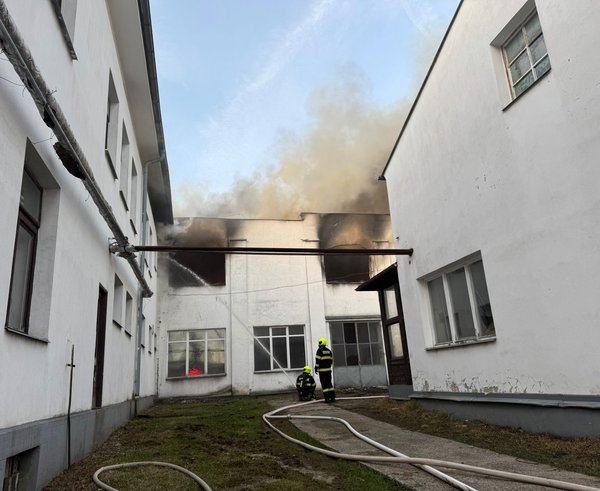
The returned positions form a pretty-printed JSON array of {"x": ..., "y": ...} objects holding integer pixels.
[
  {"x": 305, "y": 384},
  {"x": 324, "y": 367}
]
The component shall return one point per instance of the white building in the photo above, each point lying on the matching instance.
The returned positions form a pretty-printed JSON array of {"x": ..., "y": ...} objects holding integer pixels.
[
  {"x": 494, "y": 183},
  {"x": 62, "y": 292},
  {"x": 247, "y": 324}
]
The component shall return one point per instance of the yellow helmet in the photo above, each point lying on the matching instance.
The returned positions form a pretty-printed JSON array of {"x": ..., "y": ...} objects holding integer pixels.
[
  {"x": 307, "y": 369},
  {"x": 322, "y": 342}
]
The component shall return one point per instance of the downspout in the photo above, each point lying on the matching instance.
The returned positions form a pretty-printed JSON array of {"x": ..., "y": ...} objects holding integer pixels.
[
  {"x": 140, "y": 298},
  {"x": 67, "y": 147}
]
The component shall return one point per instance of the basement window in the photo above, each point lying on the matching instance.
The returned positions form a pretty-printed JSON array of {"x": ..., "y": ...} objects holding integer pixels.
[
  {"x": 196, "y": 353},
  {"x": 279, "y": 348},
  {"x": 460, "y": 305},
  {"x": 66, "y": 11},
  {"x": 20, "y": 471}
]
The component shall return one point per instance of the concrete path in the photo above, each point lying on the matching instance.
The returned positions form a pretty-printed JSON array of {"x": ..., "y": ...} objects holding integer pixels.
[{"x": 412, "y": 444}]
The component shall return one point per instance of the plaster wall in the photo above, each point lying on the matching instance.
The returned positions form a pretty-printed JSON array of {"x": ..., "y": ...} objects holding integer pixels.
[
  {"x": 34, "y": 376},
  {"x": 517, "y": 183}
]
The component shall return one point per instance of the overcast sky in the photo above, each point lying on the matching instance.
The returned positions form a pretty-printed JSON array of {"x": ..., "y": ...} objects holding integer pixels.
[{"x": 236, "y": 75}]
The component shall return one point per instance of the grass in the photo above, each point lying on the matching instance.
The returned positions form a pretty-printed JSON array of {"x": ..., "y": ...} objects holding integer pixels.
[
  {"x": 223, "y": 441},
  {"x": 574, "y": 454}
]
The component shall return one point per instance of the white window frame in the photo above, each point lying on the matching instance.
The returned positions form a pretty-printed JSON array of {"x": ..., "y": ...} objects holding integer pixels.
[
  {"x": 273, "y": 366},
  {"x": 532, "y": 65},
  {"x": 443, "y": 274},
  {"x": 187, "y": 351}
]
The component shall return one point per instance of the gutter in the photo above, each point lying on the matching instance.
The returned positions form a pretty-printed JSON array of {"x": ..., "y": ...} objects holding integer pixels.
[{"x": 67, "y": 147}]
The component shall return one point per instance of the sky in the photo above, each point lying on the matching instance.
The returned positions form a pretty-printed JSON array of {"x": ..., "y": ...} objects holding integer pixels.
[{"x": 247, "y": 86}]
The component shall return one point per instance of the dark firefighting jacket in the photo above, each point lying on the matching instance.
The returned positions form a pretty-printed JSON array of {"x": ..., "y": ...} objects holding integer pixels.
[
  {"x": 323, "y": 359},
  {"x": 305, "y": 382}
]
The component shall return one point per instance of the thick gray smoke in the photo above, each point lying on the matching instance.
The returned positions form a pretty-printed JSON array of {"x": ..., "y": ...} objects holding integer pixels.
[{"x": 332, "y": 169}]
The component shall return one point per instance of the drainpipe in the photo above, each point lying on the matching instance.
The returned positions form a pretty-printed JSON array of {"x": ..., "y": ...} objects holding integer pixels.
[
  {"x": 67, "y": 147},
  {"x": 140, "y": 298}
]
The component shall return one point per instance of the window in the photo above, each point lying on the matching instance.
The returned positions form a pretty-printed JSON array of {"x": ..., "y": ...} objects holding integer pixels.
[
  {"x": 356, "y": 343},
  {"x": 32, "y": 276},
  {"x": 66, "y": 11},
  {"x": 196, "y": 353},
  {"x": 128, "y": 313},
  {"x": 460, "y": 305},
  {"x": 134, "y": 196},
  {"x": 125, "y": 163},
  {"x": 526, "y": 56},
  {"x": 112, "y": 127},
  {"x": 20, "y": 471},
  {"x": 279, "y": 348},
  {"x": 150, "y": 339},
  {"x": 118, "y": 302},
  {"x": 21, "y": 283}
]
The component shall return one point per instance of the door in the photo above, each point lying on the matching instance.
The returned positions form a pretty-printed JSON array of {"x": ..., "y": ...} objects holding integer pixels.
[
  {"x": 358, "y": 357},
  {"x": 394, "y": 334},
  {"x": 99, "y": 350}
]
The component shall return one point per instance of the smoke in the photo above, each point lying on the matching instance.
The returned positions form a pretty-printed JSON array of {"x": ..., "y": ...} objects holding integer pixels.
[{"x": 332, "y": 169}]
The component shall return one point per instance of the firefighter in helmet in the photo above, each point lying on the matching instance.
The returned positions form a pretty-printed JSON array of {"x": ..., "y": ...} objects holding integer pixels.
[
  {"x": 305, "y": 384},
  {"x": 324, "y": 367}
]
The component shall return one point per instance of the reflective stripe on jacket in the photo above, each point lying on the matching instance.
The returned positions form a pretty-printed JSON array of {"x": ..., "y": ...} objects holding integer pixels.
[
  {"x": 324, "y": 359},
  {"x": 305, "y": 380}
]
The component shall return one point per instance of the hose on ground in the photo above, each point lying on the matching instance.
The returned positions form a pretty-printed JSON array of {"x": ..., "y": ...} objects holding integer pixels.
[
  {"x": 512, "y": 476},
  {"x": 183, "y": 470}
]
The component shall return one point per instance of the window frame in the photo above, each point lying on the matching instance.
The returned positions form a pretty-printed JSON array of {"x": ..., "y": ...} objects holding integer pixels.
[
  {"x": 455, "y": 340},
  {"x": 206, "y": 339},
  {"x": 32, "y": 225},
  {"x": 338, "y": 348},
  {"x": 273, "y": 366},
  {"x": 526, "y": 49},
  {"x": 66, "y": 14}
]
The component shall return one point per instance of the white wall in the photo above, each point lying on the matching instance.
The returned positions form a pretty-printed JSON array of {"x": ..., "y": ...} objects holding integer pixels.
[
  {"x": 260, "y": 291},
  {"x": 34, "y": 377},
  {"x": 518, "y": 184}
]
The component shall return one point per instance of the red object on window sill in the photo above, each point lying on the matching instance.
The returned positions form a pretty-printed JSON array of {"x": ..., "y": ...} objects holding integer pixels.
[{"x": 195, "y": 371}]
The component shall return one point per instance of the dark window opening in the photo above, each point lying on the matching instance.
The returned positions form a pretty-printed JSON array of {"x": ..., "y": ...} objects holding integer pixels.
[
  {"x": 193, "y": 269},
  {"x": 346, "y": 269}
]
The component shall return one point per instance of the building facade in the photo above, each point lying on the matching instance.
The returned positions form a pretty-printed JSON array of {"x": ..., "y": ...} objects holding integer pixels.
[
  {"x": 500, "y": 203},
  {"x": 82, "y": 173},
  {"x": 248, "y": 324}
]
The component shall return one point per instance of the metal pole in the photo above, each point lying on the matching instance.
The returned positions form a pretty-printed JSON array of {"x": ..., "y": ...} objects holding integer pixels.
[
  {"x": 275, "y": 251},
  {"x": 71, "y": 365}
]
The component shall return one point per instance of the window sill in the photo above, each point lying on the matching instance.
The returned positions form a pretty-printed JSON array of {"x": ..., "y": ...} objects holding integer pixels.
[
  {"x": 117, "y": 324},
  {"x": 124, "y": 200},
  {"x": 267, "y": 372},
  {"x": 27, "y": 335},
  {"x": 458, "y": 344},
  {"x": 526, "y": 90},
  {"x": 192, "y": 377}
]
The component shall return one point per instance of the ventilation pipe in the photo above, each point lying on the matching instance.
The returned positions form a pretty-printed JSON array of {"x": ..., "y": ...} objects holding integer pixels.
[{"x": 67, "y": 147}]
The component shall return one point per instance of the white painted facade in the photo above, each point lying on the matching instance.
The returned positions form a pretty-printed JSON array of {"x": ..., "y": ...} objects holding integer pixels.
[
  {"x": 517, "y": 184},
  {"x": 264, "y": 291},
  {"x": 73, "y": 259}
]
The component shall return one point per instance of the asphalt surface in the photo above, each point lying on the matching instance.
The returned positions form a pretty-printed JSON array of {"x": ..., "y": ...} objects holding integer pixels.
[{"x": 412, "y": 444}]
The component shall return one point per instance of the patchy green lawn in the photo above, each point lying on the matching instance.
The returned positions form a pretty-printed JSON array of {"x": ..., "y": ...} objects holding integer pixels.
[
  {"x": 577, "y": 454},
  {"x": 226, "y": 443}
]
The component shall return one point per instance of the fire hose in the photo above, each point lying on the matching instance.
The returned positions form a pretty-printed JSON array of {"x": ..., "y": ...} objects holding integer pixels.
[{"x": 396, "y": 457}]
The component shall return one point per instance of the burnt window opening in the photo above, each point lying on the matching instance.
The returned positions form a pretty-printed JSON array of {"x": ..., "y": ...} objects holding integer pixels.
[
  {"x": 346, "y": 269},
  {"x": 196, "y": 269}
]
